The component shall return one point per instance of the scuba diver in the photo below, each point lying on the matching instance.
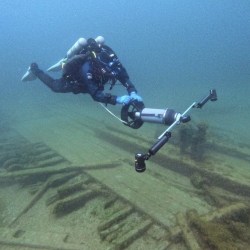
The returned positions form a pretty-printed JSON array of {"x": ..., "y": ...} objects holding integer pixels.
[{"x": 88, "y": 66}]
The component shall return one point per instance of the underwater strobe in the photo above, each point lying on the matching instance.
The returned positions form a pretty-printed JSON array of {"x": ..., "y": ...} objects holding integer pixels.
[{"x": 134, "y": 114}]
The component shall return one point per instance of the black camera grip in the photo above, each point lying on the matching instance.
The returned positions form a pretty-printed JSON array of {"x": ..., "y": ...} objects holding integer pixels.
[{"x": 164, "y": 139}]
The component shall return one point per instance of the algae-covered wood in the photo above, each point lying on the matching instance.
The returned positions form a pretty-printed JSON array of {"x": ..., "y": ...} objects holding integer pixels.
[{"x": 77, "y": 187}]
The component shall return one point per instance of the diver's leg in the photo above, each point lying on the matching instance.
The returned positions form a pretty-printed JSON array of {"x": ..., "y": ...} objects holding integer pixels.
[{"x": 56, "y": 85}]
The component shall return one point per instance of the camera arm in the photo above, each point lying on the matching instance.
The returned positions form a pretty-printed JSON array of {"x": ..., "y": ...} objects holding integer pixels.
[{"x": 140, "y": 165}]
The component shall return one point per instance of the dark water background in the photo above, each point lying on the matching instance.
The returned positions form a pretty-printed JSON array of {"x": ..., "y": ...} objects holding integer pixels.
[{"x": 174, "y": 51}]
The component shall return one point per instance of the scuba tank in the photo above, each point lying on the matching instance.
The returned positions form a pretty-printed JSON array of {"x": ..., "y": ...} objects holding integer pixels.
[
  {"x": 77, "y": 47},
  {"x": 57, "y": 66},
  {"x": 74, "y": 50},
  {"x": 100, "y": 40}
]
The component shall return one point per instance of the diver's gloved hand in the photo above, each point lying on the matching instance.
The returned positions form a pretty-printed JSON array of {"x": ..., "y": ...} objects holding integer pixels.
[
  {"x": 125, "y": 99},
  {"x": 136, "y": 97}
]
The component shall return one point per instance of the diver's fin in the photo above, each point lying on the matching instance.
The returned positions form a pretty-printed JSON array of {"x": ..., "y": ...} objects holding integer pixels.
[
  {"x": 57, "y": 66},
  {"x": 28, "y": 76}
]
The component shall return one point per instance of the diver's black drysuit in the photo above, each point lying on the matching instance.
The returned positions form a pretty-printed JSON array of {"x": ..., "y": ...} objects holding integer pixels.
[{"x": 88, "y": 72}]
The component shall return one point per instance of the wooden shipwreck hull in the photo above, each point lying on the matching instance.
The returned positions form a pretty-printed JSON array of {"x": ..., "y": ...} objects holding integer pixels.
[{"x": 80, "y": 191}]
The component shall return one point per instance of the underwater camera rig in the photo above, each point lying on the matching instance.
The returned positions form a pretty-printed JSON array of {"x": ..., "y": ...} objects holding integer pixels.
[{"x": 135, "y": 114}]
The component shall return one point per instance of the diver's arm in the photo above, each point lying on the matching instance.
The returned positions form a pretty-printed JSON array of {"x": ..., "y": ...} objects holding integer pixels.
[
  {"x": 124, "y": 79},
  {"x": 121, "y": 73},
  {"x": 99, "y": 96}
]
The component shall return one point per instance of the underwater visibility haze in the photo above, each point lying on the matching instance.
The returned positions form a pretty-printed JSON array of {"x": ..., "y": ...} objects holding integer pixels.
[{"x": 67, "y": 178}]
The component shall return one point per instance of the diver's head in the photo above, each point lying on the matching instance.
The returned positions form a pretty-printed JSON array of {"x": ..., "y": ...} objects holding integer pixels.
[
  {"x": 100, "y": 40},
  {"x": 92, "y": 45}
]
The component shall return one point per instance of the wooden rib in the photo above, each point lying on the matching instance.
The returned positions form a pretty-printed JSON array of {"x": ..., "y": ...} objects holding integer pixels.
[
  {"x": 216, "y": 215},
  {"x": 187, "y": 233},
  {"x": 115, "y": 218},
  {"x": 59, "y": 169},
  {"x": 128, "y": 238},
  {"x": 16, "y": 243}
]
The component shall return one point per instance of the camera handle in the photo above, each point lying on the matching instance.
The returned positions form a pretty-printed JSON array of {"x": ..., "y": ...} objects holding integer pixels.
[{"x": 140, "y": 165}]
